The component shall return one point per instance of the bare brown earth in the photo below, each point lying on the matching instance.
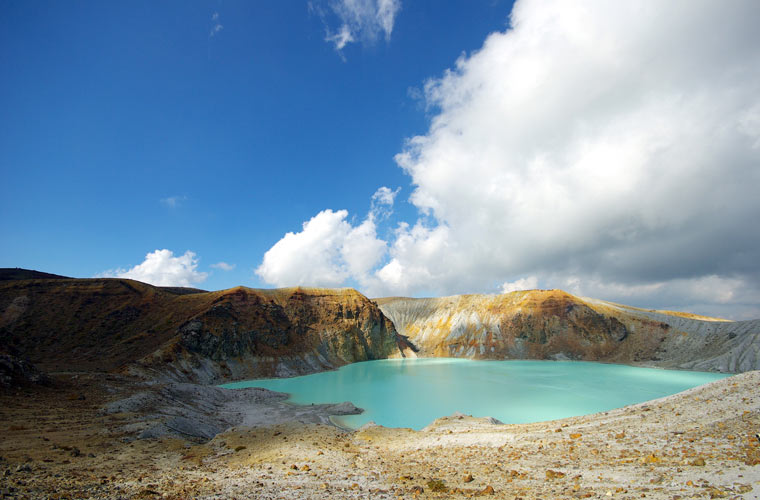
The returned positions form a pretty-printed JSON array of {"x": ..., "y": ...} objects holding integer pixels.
[
  {"x": 123, "y": 409},
  {"x": 190, "y": 335},
  {"x": 58, "y": 443}
]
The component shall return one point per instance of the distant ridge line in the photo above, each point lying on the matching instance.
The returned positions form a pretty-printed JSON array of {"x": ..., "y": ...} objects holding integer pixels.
[{"x": 17, "y": 273}]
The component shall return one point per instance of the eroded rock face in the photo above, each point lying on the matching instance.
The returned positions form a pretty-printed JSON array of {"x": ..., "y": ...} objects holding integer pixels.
[
  {"x": 17, "y": 372},
  {"x": 212, "y": 337},
  {"x": 190, "y": 335},
  {"x": 552, "y": 324},
  {"x": 246, "y": 333}
]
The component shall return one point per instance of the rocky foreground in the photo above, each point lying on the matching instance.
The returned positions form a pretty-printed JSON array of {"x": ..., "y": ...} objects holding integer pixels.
[{"x": 80, "y": 438}]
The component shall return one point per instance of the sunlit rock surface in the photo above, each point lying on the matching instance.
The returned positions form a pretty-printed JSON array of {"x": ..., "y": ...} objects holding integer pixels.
[{"x": 552, "y": 324}]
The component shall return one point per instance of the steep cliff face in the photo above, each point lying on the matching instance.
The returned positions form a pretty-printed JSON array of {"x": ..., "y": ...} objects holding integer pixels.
[
  {"x": 189, "y": 335},
  {"x": 552, "y": 324},
  {"x": 244, "y": 333}
]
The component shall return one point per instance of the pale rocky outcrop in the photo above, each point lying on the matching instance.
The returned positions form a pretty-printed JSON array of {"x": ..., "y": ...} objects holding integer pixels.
[{"x": 552, "y": 324}]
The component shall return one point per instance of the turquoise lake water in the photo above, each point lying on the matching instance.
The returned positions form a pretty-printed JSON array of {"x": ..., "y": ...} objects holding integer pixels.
[{"x": 414, "y": 392}]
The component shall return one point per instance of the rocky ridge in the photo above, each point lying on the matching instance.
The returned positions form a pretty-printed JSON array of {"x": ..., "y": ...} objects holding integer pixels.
[
  {"x": 189, "y": 335},
  {"x": 552, "y": 324}
]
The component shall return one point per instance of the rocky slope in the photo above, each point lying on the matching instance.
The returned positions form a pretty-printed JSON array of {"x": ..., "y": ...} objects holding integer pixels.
[
  {"x": 189, "y": 335},
  {"x": 552, "y": 324}
]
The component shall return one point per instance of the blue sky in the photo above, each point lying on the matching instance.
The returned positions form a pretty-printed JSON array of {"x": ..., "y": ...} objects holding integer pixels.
[
  {"x": 611, "y": 151},
  {"x": 109, "y": 108}
]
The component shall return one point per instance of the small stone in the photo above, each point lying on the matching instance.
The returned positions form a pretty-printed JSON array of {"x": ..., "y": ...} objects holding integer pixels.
[
  {"x": 417, "y": 490},
  {"x": 306, "y": 468},
  {"x": 699, "y": 462},
  {"x": 553, "y": 474},
  {"x": 437, "y": 485},
  {"x": 650, "y": 459},
  {"x": 488, "y": 490},
  {"x": 468, "y": 478},
  {"x": 716, "y": 493}
]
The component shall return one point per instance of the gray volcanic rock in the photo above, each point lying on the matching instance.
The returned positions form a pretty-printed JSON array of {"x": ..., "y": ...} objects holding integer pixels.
[{"x": 200, "y": 412}]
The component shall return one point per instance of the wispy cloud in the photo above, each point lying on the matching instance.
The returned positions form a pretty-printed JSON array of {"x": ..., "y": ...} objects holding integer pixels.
[
  {"x": 382, "y": 203},
  {"x": 216, "y": 25},
  {"x": 350, "y": 21},
  {"x": 223, "y": 266},
  {"x": 173, "y": 201}
]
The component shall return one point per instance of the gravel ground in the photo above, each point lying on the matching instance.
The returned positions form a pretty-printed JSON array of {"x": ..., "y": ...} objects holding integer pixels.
[{"x": 58, "y": 442}]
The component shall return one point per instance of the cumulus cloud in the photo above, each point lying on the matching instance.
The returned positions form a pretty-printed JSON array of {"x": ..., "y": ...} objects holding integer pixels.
[
  {"x": 357, "y": 20},
  {"x": 223, "y": 266},
  {"x": 326, "y": 252},
  {"x": 609, "y": 148},
  {"x": 162, "y": 268}
]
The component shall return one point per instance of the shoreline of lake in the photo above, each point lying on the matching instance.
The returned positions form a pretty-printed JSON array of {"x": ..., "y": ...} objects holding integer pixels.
[{"x": 481, "y": 388}]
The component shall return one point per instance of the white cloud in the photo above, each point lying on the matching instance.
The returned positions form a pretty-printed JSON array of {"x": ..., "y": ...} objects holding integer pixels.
[
  {"x": 612, "y": 143},
  {"x": 384, "y": 196},
  {"x": 223, "y": 266},
  {"x": 216, "y": 25},
  {"x": 529, "y": 283},
  {"x": 607, "y": 147},
  {"x": 710, "y": 295},
  {"x": 382, "y": 203},
  {"x": 327, "y": 252},
  {"x": 173, "y": 201},
  {"x": 358, "y": 20},
  {"x": 341, "y": 38},
  {"x": 162, "y": 268}
]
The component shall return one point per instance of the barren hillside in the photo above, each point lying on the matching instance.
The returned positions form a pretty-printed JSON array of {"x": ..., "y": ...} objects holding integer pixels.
[{"x": 552, "y": 324}]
